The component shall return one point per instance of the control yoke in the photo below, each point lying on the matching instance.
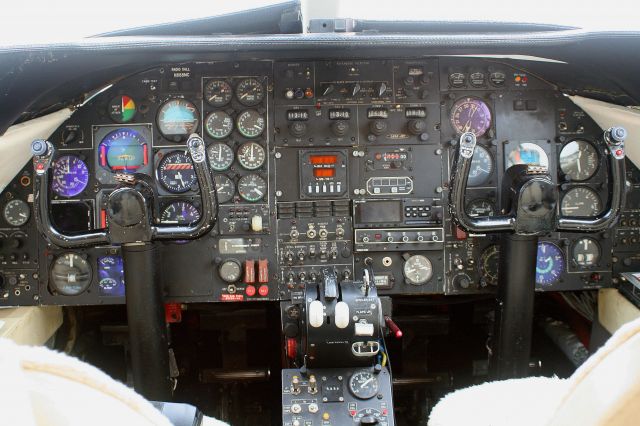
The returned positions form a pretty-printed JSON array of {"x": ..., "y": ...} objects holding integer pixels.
[
  {"x": 129, "y": 217},
  {"x": 529, "y": 208},
  {"x": 529, "y": 196},
  {"x": 128, "y": 210}
]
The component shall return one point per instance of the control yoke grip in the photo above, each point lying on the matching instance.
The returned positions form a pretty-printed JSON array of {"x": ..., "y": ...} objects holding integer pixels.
[
  {"x": 459, "y": 177},
  {"x": 43, "y": 153},
  {"x": 614, "y": 139}
]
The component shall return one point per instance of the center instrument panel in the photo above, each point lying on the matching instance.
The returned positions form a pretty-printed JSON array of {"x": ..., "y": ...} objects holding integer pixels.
[{"x": 318, "y": 165}]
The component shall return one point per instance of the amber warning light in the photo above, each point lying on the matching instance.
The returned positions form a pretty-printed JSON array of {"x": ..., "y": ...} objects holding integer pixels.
[
  {"x": 323, "y": 159},
  {"x": 324, "y": 173}
]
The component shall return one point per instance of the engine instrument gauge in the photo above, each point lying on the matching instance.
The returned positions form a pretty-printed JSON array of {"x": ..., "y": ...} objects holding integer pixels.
[
  {"x": 252, "y": 188},
  {"x": 481, "y": 166},
  {"x": 579, "y": 160},
  {"x": 363, "y": 384},
  {"x": 550, "y": 263},
  {"x": 70, "y": 176},
  {"x": 177, "y": 118},
  {"x": 480, "y": 207},
  {"x": 219, "y": 124},
  {"x": 225, "y": 188},
  {"x": 581, "y": 201},
  {"x": 70, "y": 274},
  {"x": 250, "y": 92},
  {"x": 251, "y": 155},
  {"x": 527, "y": 153},
  {"x": 180, "y": 213},
  {"x": 586, "y": 252},
  {"x": 250, "y": 123},
  {"x": 220, "y": 156},
  {"x": 123, "y": 150},
  {"x": 111, "y": 276},
  {"x": 489, "y": 260},
  {"x": 471, "y": 115},
  {"x": 218, "y": 93},
  {"x": 417, "y": 270},
  {"x": 16, "y": 212},
  {"x": 176, "y": 172}
]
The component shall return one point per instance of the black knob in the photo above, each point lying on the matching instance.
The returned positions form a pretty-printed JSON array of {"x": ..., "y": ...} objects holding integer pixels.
[
  {"x": 297, "y": 129},
  {"x": 462, "y": 281},
  {"x": 627, "y": 261},
  {"x": 340, "y": 128},
  {"x": 69, "y": 135},
  {"x": 378, "y": 127},
  {"x": 416, "y": 127},
  {"x": 368, "y": 420},
  {"x": 14, "y": 243}
]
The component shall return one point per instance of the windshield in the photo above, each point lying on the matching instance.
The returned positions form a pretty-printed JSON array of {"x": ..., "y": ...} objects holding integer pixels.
[{"x": 46, "y": 21}]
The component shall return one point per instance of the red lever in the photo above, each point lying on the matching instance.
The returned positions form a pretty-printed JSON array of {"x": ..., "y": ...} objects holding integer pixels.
[{"x": 393, "y": 327}]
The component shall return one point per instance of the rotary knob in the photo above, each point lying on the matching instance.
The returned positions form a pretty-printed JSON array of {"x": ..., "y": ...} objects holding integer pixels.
[
  {"x": 297, "y": 129},
  {"x": 230, "y": 271},
  {"x": 340, "y": 128},
  {"x": 378, "y": 127},
  {"x": 416, "y": 127}
]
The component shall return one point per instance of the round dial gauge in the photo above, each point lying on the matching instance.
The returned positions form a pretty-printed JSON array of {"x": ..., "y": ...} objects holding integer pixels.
[
  {"x": 250, "y": 92},
  {"x": 176, "y": 172},
  {"x": 363, "y": 384},
  {"x": 220, "y": 156},
  {"x": 229, "y": 271},
  {"x": 225, "y": 188},
  {"x": 586, "y": 252},
  {"x": 251, "y": 155},
  {"x": 122, "y": 109},
  {"x": 480, "y": 207},
  {"x": 250, "y": 123},
  {"x": 218, "y": 93},
  {"x": 252, "y": 188},
  {"x": 417, "y": 270},
  {"x": 578, "y": 160},
  {"x": 16, "y": 212},
  {"x": 481, "y": 166},
  {"x": 527, "y": 153},
  {"x": 550, "y": 263},
  {"x": 489, "y": 265},
  {"x": 471, "y": 115},
  {"x": 70, "y": 274},
  {"x": 219, "y": 124},
  {"x": 111, "y": 276},
  {"x": 177, "y": 118},
  {"x": 180, "y": 213},
  {"x": 581, "y": 201},
  {"x": 70, "y": 176}
]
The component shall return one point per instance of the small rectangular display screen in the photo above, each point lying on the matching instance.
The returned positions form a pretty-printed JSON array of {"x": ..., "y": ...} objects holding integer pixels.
[
  {"x": 71, "y": 217},
  {"x": 323, "y": 159},
  {"x": 380, "y": 212},
  {"x": 324, "y": 173}
]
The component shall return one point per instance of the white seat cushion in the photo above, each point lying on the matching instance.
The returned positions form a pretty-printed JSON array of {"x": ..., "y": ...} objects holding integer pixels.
[
  {"x": 512, "y": 402},
  {"x": 605, "y": 390}
]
